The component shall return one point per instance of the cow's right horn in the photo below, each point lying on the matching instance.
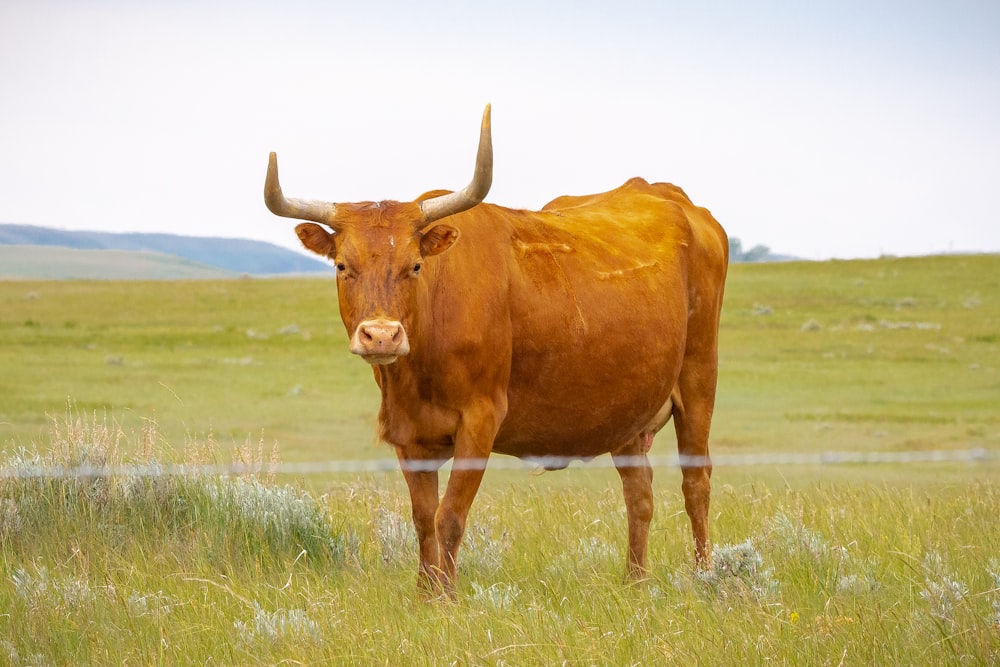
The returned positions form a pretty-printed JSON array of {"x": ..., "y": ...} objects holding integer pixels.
[
  {"x": 302, "y": 209},
  {"x": 456, "y": 202}
]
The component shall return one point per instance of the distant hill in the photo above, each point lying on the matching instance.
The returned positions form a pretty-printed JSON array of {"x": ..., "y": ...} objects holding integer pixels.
[
  {"x": 53, "y": 263},
  {"x": 236, "y": 256}
]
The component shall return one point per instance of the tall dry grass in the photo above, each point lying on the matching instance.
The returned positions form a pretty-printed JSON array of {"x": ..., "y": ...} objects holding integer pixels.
[{"x": 176, "y": 569}]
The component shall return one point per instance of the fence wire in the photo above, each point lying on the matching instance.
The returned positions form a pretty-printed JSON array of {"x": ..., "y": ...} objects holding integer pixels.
[{"x": 24, "y": 469}]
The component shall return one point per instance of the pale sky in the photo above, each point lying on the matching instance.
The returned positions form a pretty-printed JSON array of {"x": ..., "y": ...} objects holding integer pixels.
[{"x": 821, "y": 129}]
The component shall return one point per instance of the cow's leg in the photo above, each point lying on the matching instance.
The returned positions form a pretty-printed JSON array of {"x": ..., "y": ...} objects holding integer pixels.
[
  {"x": 692, "y": 420},
  {"x": 422, "y": 479},
  {"x": 637, "y": 483},
  {"x": 473, "y": 443},
  {"x": 463, "y": 483}
]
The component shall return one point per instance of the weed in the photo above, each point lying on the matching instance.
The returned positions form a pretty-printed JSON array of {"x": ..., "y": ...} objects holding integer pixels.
[
  {"x": 88, "y": 483},
  {"x": 591, "y": 554},
  {"x": 499, "y": 596},
  {"x": 738, "y": 572},
  {"x": 14, "y": 657},
  {"x": 280, "y": 625},
  {"x": 485, "y": 545},
  {"x": 156, "y": 604},
  {"x": 994, "y": 571},
  {"x": 794, "y": 538},
  {"x": 857, "y": 583},
  {"x": 285, "y": 518},
  {"x": 42, "y": 590},
  {"x": 395, "y": 535},
  {"x": 942, "y": 590}
]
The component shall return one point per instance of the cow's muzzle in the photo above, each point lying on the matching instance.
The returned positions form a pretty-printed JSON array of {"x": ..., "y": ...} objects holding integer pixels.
[{"x": 380, "y": 341}]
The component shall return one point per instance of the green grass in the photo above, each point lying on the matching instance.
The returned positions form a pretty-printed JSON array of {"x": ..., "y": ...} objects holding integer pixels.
[
  {"x": 893, "y": 354},
  {"x": 238, "y": 358},
  {"x": 245, "y": 358},
  {"x": 851, "y": 564},
  {"x": 187, "y": 569}
]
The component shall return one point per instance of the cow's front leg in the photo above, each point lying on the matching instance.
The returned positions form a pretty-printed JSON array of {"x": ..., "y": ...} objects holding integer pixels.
[
  {"x": 466, "y": 475},
  {"x": 421, "y": 476},
  {"x": 473, "y": 444}
]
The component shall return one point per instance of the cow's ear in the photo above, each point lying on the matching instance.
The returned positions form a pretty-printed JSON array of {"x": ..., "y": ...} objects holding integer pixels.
[
  {"x": 316, "y": 238},
  {"x": 437, "y": 239}
]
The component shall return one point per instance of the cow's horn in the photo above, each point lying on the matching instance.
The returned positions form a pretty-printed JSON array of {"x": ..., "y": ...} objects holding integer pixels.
[
  {"x": 456, "y": 202},
  {"x": 303, "y": 209}
]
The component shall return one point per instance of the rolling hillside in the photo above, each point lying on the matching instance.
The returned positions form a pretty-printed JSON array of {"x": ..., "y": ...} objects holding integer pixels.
[
  {"x": 32, "y": 262},
  {"x": 222, "y": 255}
]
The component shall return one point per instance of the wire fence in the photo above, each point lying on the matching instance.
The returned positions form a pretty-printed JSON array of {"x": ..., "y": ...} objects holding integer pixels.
[{"x": 26, "y": 469}]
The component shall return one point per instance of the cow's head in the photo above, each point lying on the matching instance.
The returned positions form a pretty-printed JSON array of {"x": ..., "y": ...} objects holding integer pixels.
[{"x": 380, "y": 250}]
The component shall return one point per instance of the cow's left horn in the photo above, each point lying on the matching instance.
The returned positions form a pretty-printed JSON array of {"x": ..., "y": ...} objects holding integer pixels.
[
  {"x": 302, "y": 209},
  {"x": 456, "y": 202}
]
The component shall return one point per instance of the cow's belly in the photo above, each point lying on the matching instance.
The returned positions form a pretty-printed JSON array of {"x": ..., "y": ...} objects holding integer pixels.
[
  {"x": 589, "y": 401},
  {"x": 569, "y": 433}
]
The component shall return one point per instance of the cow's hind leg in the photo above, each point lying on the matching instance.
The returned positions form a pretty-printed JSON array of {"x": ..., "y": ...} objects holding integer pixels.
[
  {"x": 692, "y": 420},
  {"x": 637, "y": 484}
]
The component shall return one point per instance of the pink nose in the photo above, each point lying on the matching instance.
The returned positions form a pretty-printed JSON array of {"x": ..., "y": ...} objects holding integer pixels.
[{"x": 380, "y": 341}]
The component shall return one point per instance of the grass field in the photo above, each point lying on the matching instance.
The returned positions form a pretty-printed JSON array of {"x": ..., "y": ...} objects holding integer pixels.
[
  {"x": 858, "y": 564},
  {"x": 892, "y": 354}
]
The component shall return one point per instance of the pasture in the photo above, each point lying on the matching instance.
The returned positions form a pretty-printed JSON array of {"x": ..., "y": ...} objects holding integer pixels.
[{"x": 838, "y": 564}]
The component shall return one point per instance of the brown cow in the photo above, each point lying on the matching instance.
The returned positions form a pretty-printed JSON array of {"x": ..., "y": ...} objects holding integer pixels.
[{"x": 566, "y": 333}]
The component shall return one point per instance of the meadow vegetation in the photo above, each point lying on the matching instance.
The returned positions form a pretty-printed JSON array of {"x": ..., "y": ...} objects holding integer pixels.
[
  {"x": 893, "y": 354},
  {"x": 858, "y": 564}
]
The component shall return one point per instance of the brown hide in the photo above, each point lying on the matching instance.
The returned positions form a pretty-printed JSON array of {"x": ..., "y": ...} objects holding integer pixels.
[{"x": 570, "y": 332}]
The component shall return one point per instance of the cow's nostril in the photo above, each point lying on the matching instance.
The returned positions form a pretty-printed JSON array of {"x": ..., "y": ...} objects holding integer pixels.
[{"x": 380, "y": 337}]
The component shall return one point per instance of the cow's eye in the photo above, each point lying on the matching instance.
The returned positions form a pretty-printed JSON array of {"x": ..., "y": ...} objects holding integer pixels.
[
  {"x": 417, "y": 267},
  {"x": 341, "y": 267}
]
